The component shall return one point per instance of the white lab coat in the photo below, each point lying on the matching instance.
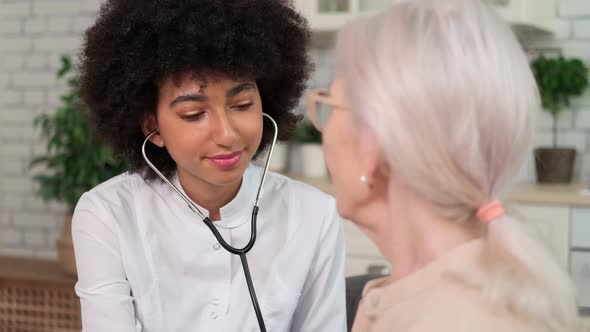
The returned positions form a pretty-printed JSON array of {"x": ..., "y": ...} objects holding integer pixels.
[{"x": 146, "y": 262}]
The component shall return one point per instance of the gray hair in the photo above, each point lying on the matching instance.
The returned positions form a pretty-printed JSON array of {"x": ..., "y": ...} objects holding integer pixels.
[{"x": 448, "y": 93}]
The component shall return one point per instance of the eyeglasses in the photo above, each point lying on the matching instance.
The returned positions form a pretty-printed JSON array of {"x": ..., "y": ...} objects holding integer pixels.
[{"x": 320, "y": 106}]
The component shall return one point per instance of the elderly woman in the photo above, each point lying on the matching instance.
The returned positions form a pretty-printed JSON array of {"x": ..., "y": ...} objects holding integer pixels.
[{"x": 426, "y": 125}]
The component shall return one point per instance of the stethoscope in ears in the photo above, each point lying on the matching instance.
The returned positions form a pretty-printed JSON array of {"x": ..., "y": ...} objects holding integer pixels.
[{"x": 236, "y": 251}]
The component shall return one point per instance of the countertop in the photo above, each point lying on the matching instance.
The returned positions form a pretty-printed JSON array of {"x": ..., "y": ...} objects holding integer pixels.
[{"x": 575, "y": 194}]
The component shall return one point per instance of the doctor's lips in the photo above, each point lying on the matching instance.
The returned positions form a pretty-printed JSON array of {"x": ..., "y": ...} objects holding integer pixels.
[{"x": 226, "y": 160}]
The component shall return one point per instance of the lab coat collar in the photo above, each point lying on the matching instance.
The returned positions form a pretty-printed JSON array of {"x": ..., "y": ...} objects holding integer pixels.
[{"x": 239, "y": 210}]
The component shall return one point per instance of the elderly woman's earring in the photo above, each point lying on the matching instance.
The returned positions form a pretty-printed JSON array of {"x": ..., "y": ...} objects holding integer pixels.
[{"x": 365, "y": 180}]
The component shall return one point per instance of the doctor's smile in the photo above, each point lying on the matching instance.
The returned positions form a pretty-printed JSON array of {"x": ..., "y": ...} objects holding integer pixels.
[{"x": 226, "y": 161}]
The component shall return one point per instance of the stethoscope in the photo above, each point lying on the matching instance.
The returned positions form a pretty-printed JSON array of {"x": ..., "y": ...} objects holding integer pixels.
[{"x": 240, "y": 252}]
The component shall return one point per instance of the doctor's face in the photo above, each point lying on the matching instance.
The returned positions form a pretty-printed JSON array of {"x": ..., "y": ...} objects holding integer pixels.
[{"x": 211, "y": 127}]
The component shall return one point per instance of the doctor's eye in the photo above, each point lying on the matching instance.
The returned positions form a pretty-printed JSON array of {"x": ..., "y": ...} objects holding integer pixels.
[
  {"x": 242, "y": 107},
  {"x": 193, "y": 116}
]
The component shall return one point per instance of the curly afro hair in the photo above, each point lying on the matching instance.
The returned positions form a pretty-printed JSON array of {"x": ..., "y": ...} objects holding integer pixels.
[{"x": 135, "y": 44}]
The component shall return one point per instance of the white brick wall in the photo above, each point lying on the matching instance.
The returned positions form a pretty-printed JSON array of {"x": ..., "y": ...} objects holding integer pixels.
[
  {"x": 57, "y": 8},
  {"x": 582, "y": 29},
  {"x": 12, "y": 9},
  {"x": 9, "y": 25},
  {"x": 574, "y": 8},
  {"x": 35, "y": 26},
  {"x": 56, "y": 44},
  {"x": 36, "y": 62},
  {"x": 60, "y": 25},
  {"x": 563, "y": 29},
  {"x": 565, "y": 121},
  {"x": 35, "y": 34},
  {"x": 16, "y": 45},
  {"x": 583, "y": 119}
]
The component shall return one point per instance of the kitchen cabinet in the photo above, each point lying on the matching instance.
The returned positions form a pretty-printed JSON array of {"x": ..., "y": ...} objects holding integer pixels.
[
  {"x": 581, "y": 276},
  {"x": 537, "y": 15},
  {"x": 549, "y": 224},
  {"x": 331, "y": 15},
  {"x": 362, "y": 256}
]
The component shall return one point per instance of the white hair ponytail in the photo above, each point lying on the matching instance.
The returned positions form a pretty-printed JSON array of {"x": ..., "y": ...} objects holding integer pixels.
[{"x": 525, "y": 279}]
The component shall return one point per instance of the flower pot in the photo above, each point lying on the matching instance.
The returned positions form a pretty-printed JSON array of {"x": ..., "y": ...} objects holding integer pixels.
[
  {"x": 65, "y": 248},
  {"x": 278, "y": 162},
  {"x": 554, "y": 165},
  {"x": 312, "y": 161}
]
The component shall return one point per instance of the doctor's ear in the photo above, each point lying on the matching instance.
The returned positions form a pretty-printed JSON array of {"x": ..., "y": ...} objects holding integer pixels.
[{"x": 148, "y": 125}]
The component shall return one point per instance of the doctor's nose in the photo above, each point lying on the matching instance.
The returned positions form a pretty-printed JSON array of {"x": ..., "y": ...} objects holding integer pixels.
[{"x": 223, "y": 130}]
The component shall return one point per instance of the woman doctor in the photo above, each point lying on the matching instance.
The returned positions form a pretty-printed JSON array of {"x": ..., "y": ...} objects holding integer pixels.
[{"x": 195, "y": 77}]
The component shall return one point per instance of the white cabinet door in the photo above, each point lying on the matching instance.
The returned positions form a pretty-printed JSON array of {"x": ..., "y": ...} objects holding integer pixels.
[
  {"x": 581, "y": 276},
  {"x": 357, "y": 243},
  {"x": 551, "y": 225},
  {"x": 581, "y": 228},
  {"x": 373, "y": 5},
  {"x": 331, "y": 15},
  {"x": 362, "y": 256},
  {"x": 537, "y": 14}
]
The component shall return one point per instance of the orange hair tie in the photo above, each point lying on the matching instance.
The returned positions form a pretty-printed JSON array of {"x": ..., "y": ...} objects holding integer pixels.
[{"x": 489, "y": 212}]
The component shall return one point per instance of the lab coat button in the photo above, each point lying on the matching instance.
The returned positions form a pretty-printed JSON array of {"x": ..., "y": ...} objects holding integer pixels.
[
  {"x": 215, "y": 301},
  {"x": 374, "y": 300},
  {"x": 216, "y": 246}
]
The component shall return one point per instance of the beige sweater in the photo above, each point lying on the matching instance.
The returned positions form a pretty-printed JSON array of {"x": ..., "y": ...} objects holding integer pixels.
[{"x": 434, "y": 299}]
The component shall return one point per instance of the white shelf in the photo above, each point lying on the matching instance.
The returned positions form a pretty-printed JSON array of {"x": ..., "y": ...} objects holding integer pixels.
[{"x": 533, "y": 15}]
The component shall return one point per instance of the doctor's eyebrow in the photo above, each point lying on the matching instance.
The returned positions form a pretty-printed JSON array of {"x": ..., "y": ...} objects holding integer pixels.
[
  {"x": 199, "y": 97},
  {"x": 240, "y": 88},
  {"x": 189, "y": 97}
]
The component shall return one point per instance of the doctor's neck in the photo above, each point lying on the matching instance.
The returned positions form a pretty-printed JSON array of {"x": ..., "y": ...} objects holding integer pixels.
[{"x": 208, "y": 195}]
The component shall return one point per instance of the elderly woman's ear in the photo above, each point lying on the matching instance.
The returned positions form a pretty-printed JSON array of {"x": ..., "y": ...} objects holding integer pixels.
[{"x": 375, "y": 170}]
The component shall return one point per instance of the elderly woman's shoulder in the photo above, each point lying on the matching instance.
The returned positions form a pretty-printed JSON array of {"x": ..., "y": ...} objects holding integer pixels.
[{"x": 467, "y": 310}]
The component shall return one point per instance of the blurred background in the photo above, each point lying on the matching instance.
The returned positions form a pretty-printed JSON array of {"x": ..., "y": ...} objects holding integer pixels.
[{"x": 37, "y": 34}]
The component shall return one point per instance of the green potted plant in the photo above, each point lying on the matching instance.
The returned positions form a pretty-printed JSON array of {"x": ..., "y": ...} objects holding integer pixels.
[
  {"x": 559, "y": 79},
  {"x": 312, "y": 157},
  {"x": 74, "y": 161}
]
